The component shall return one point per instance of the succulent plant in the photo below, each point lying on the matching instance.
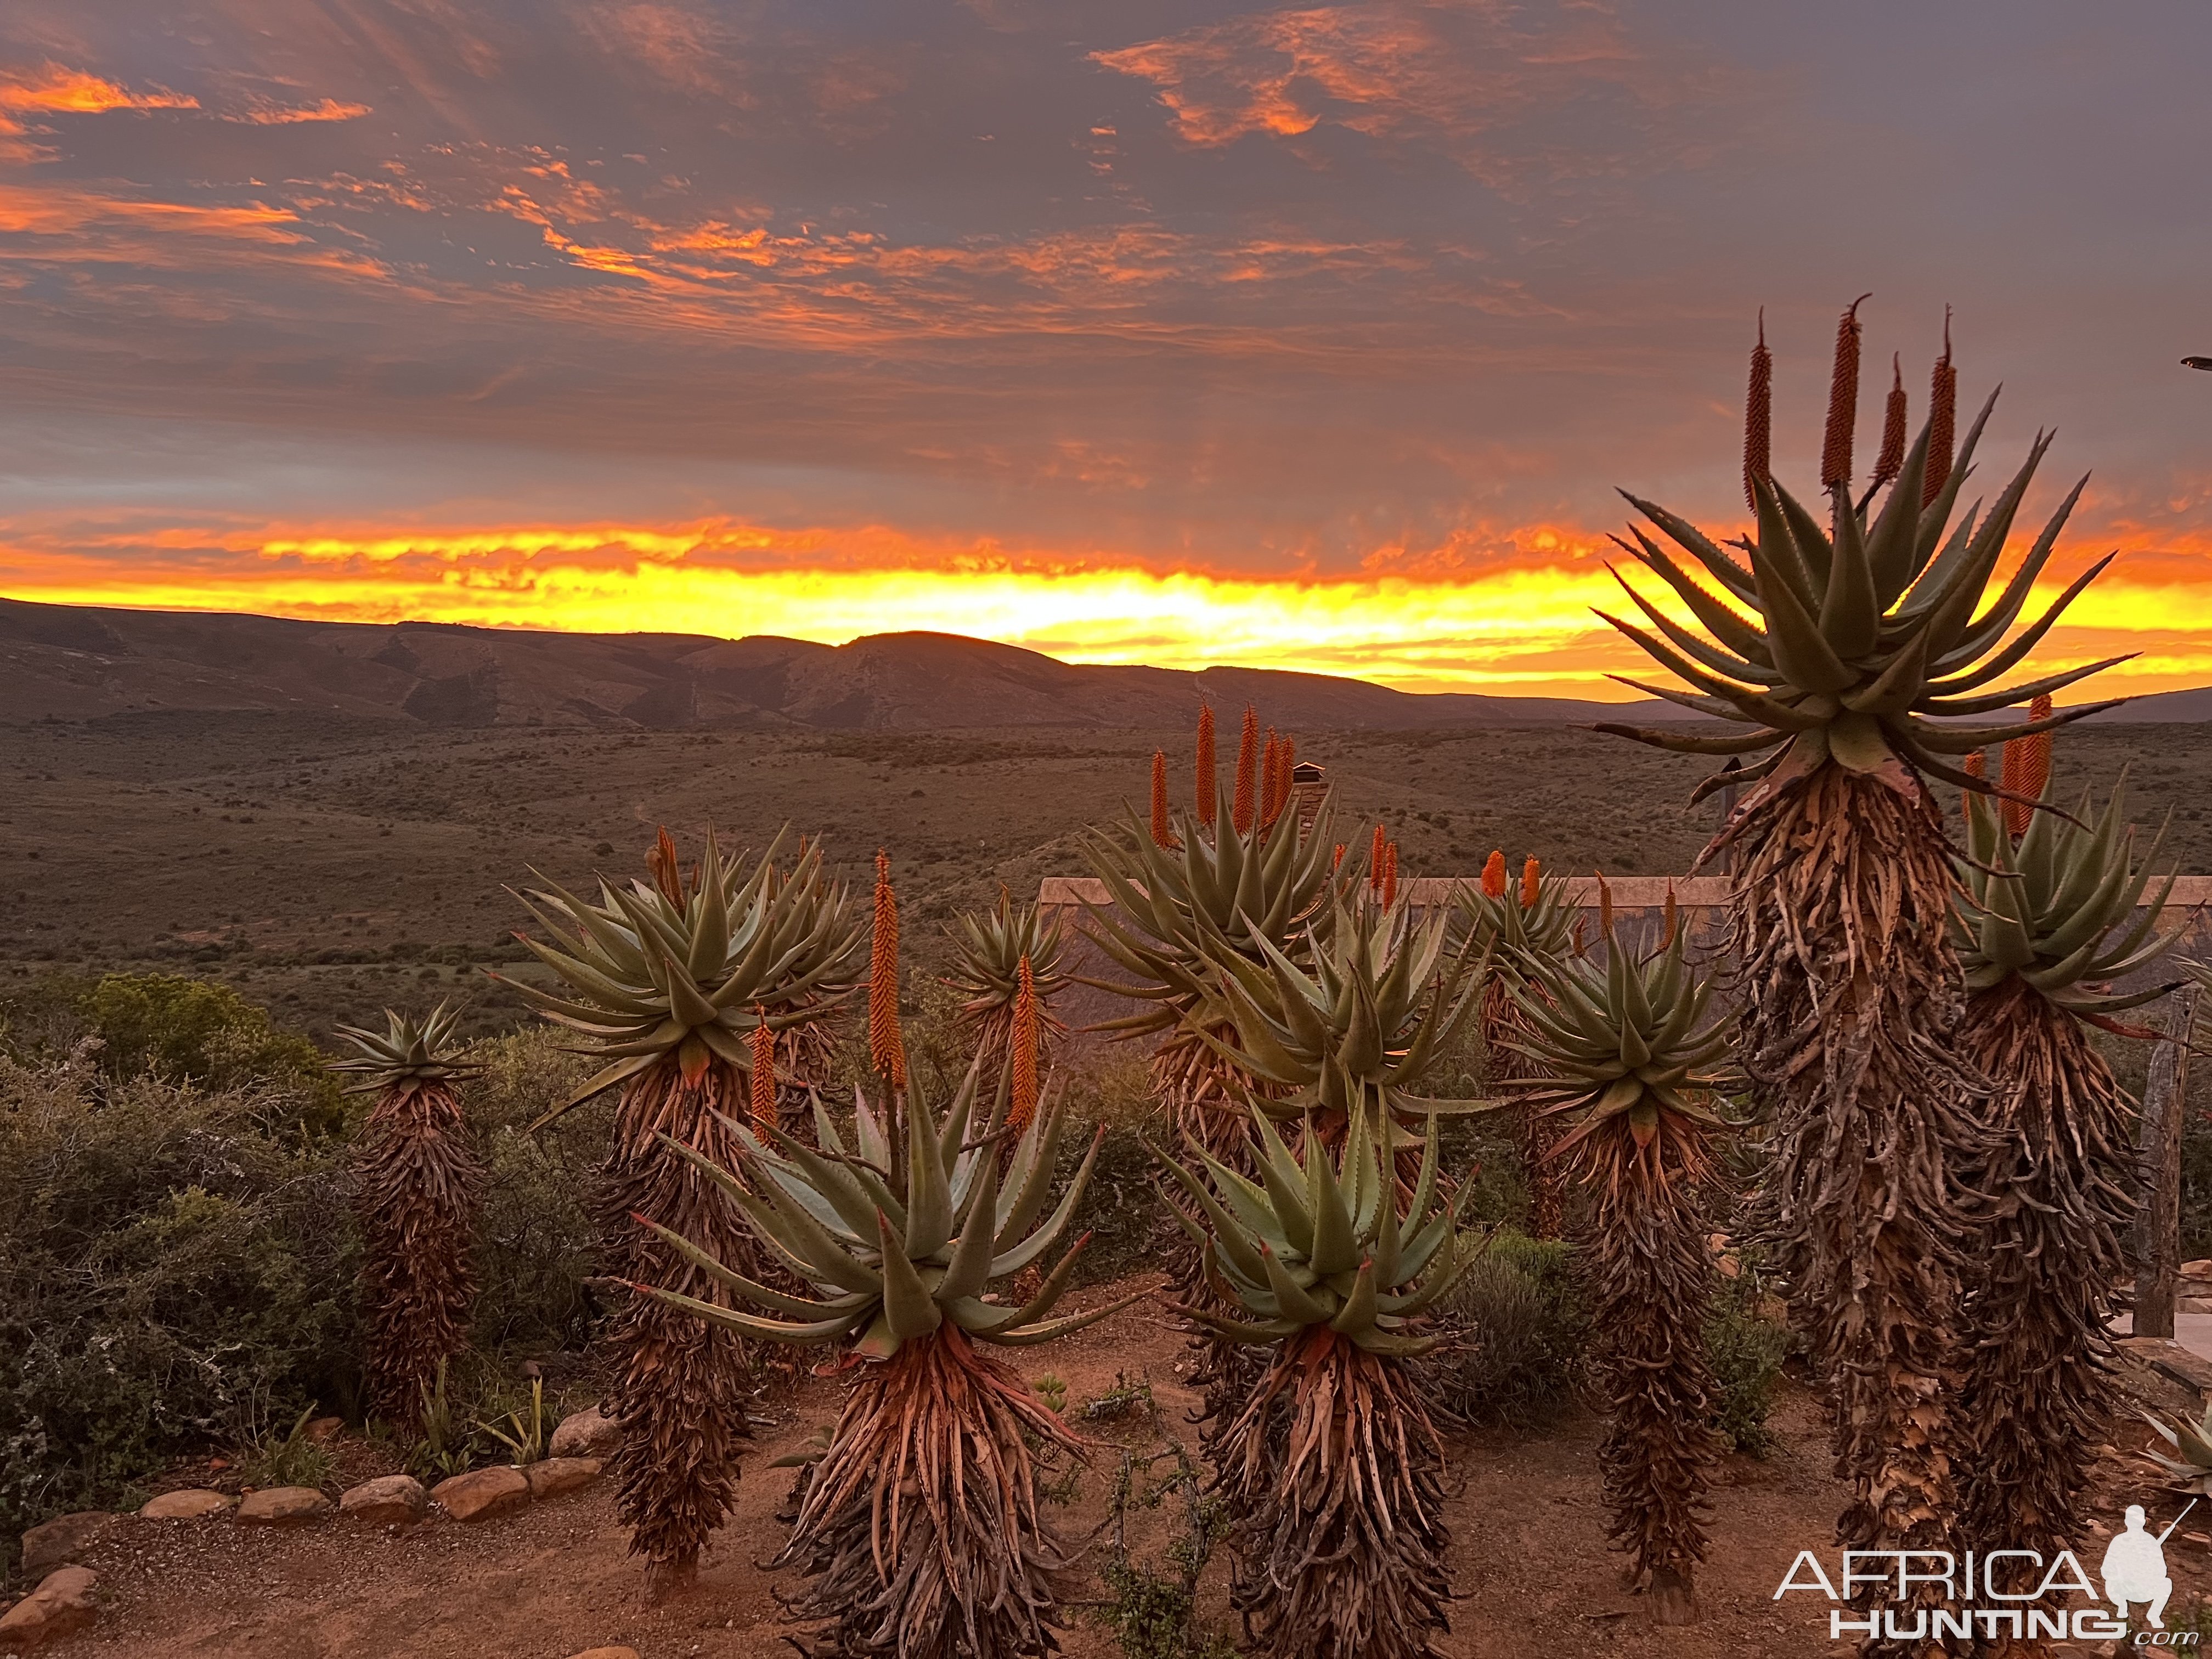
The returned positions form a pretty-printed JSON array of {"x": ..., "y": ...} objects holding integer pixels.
[
  {"x": 1353, "y": 1030},
  {"x": 2050, "y": 914},
  {"x": 2193, "y": 1470},
  {"x": 1631, "y": 1060},
  {"x": 667, "y": 980},
  {"x": 892, "y": 1266},
  {"x": 1329, "y": 1464},
  {"x": 1321, "y": 1240},
  {"x": 1629, "y": 1041},
  {"x": 421, "y": 1186},
  {"x": 1864, "y": 639},
  {"x": 655, "y": 973},
  {"x": 1530, "y": 917},
  {"x": 921, "y": 1524},
  {"x": 408, "y": 1054},
  {"x": 1843, "y": 653},
  {"x": 1175, "y": 911},
  {"x": 2063, "y": 906},
  {"x": 990, "y": 948}
]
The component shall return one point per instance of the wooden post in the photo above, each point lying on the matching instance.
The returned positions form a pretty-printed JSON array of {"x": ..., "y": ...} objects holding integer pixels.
[
  {"x": 1728, "y": 811},
  {"x": 2158, "y": 1224}
]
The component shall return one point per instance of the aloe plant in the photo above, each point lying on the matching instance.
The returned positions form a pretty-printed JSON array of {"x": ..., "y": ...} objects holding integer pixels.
[{"x": 897, "y": 1239}]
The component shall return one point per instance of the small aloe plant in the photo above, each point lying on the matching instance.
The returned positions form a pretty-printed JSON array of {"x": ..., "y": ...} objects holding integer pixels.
[
  {"x": 2193, "y": 1470},
  {"x": 898, "y": 1237},
  {"x": 1331, "y": 1467}
]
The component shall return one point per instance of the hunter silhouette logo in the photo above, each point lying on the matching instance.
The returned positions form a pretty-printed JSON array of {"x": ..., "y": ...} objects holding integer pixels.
[
  {"x": 1917, "y": 1596},
  {"x": 2134, "y": 1568}
]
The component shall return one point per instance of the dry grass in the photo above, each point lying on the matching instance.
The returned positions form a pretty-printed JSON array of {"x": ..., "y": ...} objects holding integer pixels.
[{"x": 327, "y": 866}]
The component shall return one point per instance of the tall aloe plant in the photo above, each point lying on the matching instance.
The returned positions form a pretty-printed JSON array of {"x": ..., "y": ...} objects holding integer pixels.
[
  {"x": 1841, "y": 652},
  {"x": 420, "y": 1185},
  {"x": 2053, "y": 916},
  {"x": 670, "y": 981},
  {"x": 1231, "y": 878},
  {"x": 1528, "y": 919},
  {"x": 1332, "y": 1469},
  {"x": 1633, "y": 1063}
]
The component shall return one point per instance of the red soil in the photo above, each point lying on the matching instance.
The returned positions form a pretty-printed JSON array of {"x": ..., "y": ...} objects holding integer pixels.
[{"x": 1530, "y": 1556}]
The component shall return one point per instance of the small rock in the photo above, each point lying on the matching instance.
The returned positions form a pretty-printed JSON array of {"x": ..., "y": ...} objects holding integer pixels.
[
  {"x": 62, "y": 1603},
  {"x": 607, "y": 1653},
  {"x": 324, "y": 1430},
  {"x": 2203, "y": 1538},
  {"x": 188, "y": 1505},
  {"x": 586, "y": 1434},
  {"x": 388, "y": 1500},
  {"x": 483, "y": 1493},
  {"x": 283, "y": 1506},
  {"x": 62, "y": 1539},
  {"x": 550, "y": 1477}
]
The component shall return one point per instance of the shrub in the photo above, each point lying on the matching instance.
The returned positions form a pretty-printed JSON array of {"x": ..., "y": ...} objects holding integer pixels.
[
  {"x": 176, "y": 1272},
  {"x": 1521, "y": 1332},
  {"x": 176, "y": 1030},
  {"x": 1745, "y": 1350},
  {"x": 536, "y": 1241},
  {"x": 1120, "y": 1208}
]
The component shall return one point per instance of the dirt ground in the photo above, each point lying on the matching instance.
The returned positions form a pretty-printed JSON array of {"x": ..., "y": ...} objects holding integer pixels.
[{"x": 1529, "y": 1555}]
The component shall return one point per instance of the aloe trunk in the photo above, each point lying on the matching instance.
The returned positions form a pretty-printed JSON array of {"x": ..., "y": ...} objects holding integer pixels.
[
  {"x": 1334, "y": 1475},
  {"x": 921, "y": 1530},
  {"x": 683, "y": 1388},
  {"x": 420, "y": 1184},
  {"x": 1851, "y": 1036},
  {"x": 2040, "y": 1388}
]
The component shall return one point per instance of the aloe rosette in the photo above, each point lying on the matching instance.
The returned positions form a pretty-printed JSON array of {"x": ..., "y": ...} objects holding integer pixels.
[
  {"x": 1332, "y": 1467},
  {"x": 921, "y": 1527}
]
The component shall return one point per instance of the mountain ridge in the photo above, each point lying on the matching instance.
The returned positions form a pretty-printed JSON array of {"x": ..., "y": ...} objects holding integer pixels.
[{"x": 82, "y": 662}]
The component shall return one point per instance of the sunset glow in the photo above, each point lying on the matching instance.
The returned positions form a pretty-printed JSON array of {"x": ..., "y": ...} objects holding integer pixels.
[
  {"x": 1313, "y": 338},
  {"x": 1527, "y": 626}
]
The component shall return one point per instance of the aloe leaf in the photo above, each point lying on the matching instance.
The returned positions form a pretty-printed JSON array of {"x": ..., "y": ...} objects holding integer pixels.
[
  {"x": 1283, "y": 1179},
  {"x": 1851, "y": 613},
  {"x": 909, "y": 1308},
  {"x": 1291, "y": 1296},
  {"x": 1013, "y": 1261},
  {"x": 928, "y": 1193},
  {"x": 1358, "y": 1313},
  {"x": 774, "y": 1330},
  {"x": 1053, "y": 1329},
  {"x": 751, "y": 1290}
]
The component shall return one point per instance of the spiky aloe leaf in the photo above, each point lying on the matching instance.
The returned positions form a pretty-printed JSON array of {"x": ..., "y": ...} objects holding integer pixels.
[{"x": 1323, "y": 1241}]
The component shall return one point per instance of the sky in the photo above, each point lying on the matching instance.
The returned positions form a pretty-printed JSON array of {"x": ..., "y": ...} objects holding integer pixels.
[{"x": 1300, "y": 337}]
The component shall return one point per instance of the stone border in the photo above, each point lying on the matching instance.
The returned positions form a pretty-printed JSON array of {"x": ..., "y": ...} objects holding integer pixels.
[{"x": 63, "y": 1600}]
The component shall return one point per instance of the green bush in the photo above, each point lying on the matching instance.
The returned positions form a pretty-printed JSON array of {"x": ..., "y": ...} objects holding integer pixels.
[
  {"x": 1744, "y": 1349},
  {"x": 176, "y": 1030},
  {"x": 1121, "y": 1209},
  {"x": 535, "y": 1239},
  {"x": 1522, "y": 1334},
  {"x": 174, "y": 1277}
]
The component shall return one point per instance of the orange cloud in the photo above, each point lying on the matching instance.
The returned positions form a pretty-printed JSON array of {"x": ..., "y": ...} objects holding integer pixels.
[
  {"x": 1465, "y": 80},
  {"x": 52, "y": 89},
  {"x": 1521, "y": 623},
  {"x": 63, "y": 225},
  {"x": 261, "y": 113}
]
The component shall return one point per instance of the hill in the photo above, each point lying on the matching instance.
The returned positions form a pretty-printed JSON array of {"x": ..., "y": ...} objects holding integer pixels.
[{"x": 75, "y": 663}]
